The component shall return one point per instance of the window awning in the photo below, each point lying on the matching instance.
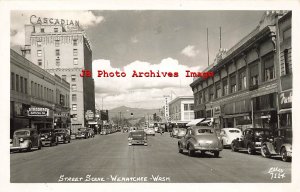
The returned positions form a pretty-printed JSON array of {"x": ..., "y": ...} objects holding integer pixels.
[{"x": 195, "y": 122}]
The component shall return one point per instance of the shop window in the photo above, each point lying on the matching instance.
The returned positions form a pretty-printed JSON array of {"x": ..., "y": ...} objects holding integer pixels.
[
  {"x": 269, "y": 69},
  {"x": 12, "y": 81},
  {"x": 74, "y": 107},
  {"x": 39, "y": 53},
  {"x": 232, "y": 84},
  {"x": 242, "y": 80}
]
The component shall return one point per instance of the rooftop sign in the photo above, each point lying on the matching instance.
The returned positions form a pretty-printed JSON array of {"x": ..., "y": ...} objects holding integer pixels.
[{"x": 52, "y": 21}]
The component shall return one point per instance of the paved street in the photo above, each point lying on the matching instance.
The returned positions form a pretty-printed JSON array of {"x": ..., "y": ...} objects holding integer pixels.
[{"x": 108, "y": 158}]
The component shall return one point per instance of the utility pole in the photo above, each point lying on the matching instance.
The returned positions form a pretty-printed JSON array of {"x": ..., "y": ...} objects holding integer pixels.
[
  {"x": 220, "y": 37},
  {"x": 207, "y": 47}
]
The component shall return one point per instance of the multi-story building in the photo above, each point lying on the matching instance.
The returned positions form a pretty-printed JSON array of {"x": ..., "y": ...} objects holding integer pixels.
[
  {"x": 66, "y": 51},
  {"x": 181, "y": 109},
  {"x": 37, "y": 98},
  {"x": 244, "y": 89}
]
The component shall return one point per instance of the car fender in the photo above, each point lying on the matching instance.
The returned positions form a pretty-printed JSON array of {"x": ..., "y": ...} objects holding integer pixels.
[
  {"x": 287, "y": 146},
  {"x": 270, "y": 147}
]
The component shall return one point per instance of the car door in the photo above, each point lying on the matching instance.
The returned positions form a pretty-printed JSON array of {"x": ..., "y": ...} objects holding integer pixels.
[
  {"x": 186, "y": 138},
  {"x": 247, "y": 137}
]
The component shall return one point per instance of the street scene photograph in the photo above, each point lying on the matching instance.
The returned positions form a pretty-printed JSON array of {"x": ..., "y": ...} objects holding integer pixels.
[{"x": 151, "y": 96}]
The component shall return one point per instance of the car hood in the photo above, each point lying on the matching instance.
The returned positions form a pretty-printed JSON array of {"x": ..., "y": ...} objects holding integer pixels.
[{"x": 213, "y": 138}]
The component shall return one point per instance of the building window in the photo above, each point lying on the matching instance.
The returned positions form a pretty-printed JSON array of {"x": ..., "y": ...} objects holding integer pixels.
[
  {"x": 74, "y": 107},
  {"x": 232, "y": 84},
  {"x": 17, "y": 83},
  {"x": 186, "y": 107},
  {"x": 225, "y": 87},
  {"x": 200, "y": 98},
  {"x": 57, "y": 43},
  {"x": 75, "y": 42},
  {"x": 254, "y": 75},
  {"x": 218, "y": 90},
  {"x": 64, "y": 77},
  {"x": 25, "y": 86},
  {"x": 269, "y": 69},
  {"x": 211, "y": 93},
  {"x": 75, "y": 52},
  {"x": 75, "y": 61},
  {"x": 206, "y": 95},
  {"x": 35, "y": 90},
  {"x": 242, "y": 81},
  {"x": 57, "y": 52},
  {"x": 39, "y": 43},
  {"x": 42, "y": 30},
  {"x": 55, "y": 30},
  {"x": 21, "y": 83},
  {"x": 44, "y": 96},
  {"x": 40, "y": 62},
  {"x": 32, "y": 89},
  {"x": 74, "y": 97},
  {"x": 12, "y": 81},
  {"x": 57, "y": 62},
  {"x": 286, "y": 61},
  {"x": 74, "y": 87},
  {"x": 287, "y": 33},
  {"x": 191, "y": 107},
  {"x": 73, "y": 78},
  {"x": 39, "y": 53}
]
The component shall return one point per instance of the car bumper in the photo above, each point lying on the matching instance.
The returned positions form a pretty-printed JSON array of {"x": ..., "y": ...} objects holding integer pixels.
[
  {"x": 80, "y": 136},
  {"x": 18, "y": 148},
  {"x": 289, "y": 153},
  {"x": 137, "y": 142},
  {"x": 199, "y": 148}
]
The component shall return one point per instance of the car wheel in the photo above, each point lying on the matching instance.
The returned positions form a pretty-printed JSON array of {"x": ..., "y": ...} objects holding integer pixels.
[
  {"x": 250, "y": 150},
  {"x": 65, "y": 141},
  {"x": 191, "y": 152},
  {"x": 216, "y": 153},
  {"x": 29, "y": 148},
  {"x": 179, "y": 148},
  {"x": 233, "y": 147},
  {"x": 69, "y": 141},
  {"x": 265, "y": 151},
  {"x": 40, "y": 146},
  {"x": 284, "y": 156}
]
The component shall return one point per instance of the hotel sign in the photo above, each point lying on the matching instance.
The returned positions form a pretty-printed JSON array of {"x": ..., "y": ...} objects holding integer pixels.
[
  {"x": 38, "y": 111},
  {"x": 52, "y": 21},
  {"x": 285, "y": 99}
]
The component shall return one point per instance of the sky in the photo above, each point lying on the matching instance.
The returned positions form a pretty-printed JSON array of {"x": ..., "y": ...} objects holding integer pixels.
[{"x": 141, "y": 40}]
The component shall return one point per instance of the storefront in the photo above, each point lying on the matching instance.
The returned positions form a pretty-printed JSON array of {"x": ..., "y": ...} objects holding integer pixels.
[
  {"x": 285, "y": 109},
  {"x": 40, "y": 117},
  {"x": 217, "y": 117}
]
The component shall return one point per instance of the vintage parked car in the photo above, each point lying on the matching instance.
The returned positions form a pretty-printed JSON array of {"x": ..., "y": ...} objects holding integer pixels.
[
  {"x": 181, "y": 133},
  {"x": 137, "y": 137},
  {"x": 200, "y": 138},
  {"x": 251, "y": 140},
  {"x": 227, "y": 135},
  {"x": 280, "y": 144},
  {"x": 91, "y": 132},
  {"x": 82, "y": 133},
  {"x": 150, "y": 131},
  {"x": 63, "y": 135},
  {"x": 25, "y": 139},
  {"x": 48, "y": 137},
  {"x": 174, "y": 132}
]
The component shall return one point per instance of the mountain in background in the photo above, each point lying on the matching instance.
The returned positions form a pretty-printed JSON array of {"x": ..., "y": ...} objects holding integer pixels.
[{"x": 137, "y": 112}]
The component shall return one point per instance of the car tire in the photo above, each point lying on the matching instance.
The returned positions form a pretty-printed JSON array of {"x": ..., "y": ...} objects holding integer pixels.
[
  {"x": 233, "y": 148},
  {"x": 29, "y": 148},
  {"x": 250, "y": 151},
  {"x": 40, "y": 146},
  {"x": 179, "y": 148},
  {"x": 69, "y": 141},
  {"x": 283, "y": 154},
  {"x": 265, "y": 151},
  {"x": 216, "y": 154},
  {"x": 191, "y": 152}
]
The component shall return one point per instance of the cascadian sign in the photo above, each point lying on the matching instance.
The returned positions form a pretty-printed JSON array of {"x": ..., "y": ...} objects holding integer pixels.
[
  {"x": 52, "y": 21},
  {"x": 286, "y": 99},
  {"x": 38, "y": 111}
]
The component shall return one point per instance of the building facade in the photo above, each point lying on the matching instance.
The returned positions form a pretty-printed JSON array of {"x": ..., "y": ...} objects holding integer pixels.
[
  {"x": 37, "y": 98},
  {"x": 65, "y": 51},
  {"x": 181, "y": 109},
  {"x": 245, "y": 88}
]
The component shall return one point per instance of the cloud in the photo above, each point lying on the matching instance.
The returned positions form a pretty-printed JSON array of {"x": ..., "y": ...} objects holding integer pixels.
[
  {"x": 134, "y": 40},
  {"x": 20, "y": 18},
  {"x": 190, "y": 51},
  {"x": 145, "y": 92}
]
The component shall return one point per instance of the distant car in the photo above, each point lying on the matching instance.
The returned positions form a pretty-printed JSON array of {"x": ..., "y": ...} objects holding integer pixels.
[
  {"x": 82, "y": 133},
  {"x": 48, "y": 137},
  {"x": 63, "y": 135},
  {"x": 103, "y": 132},
  {"x": 91, "y": 132},
  {"x": 174, "y": 132},
  {"x": 251, "y": 140},
  {"x": 25, "y": 139},
  {"x": 150, "y": 131},
  {"x": 228, "y": 135},
  {"x": 137, "y": 137},
  {"x": 181, "y": 133},
  {"x": 203, "y": 139},
  {"x": 132, "y": 129},
  {"x": 280, "y": 144}
]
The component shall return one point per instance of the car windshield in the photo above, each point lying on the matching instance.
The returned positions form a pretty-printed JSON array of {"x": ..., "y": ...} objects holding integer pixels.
[
  {"x": 26, "y": 133},
  {"x": 205, "y": 131},
  {"x": 234, "y": 131},
  {"x": 262, "y": 132}
]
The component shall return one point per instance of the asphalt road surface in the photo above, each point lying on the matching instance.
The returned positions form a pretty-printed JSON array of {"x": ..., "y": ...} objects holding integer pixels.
[{"x": 108, "y": 158}]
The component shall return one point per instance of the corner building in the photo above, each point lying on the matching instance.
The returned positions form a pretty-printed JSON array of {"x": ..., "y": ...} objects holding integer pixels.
[
  {"x": 244, "y": 90},
  {"x": 66, "y": 51}
]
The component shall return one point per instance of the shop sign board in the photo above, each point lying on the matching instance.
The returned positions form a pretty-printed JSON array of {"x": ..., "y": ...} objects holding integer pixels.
[
  {"x": 89, "y": 114},
  {"x": 217, "y": 111},
  {"x": 285, "y": 99},
  {"x": 38, "y": 111}
]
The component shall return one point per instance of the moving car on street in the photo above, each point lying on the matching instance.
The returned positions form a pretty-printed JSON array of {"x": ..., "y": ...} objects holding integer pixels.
[
  {"x": 137, "y": 137},
  {"x": 48, "y": 137},
  {"x": 227, "y": 135},
  {"x": 181, "y": 133},
  {"x": 280, "y": 144},
  {"x": 25, "y": 139},
  {"x": 251, "y": 140},
  {"x": 91, "y": 132},
  {"x": 199, "y": 138},
  {"x": 174, "y": 132},
  {"x": 82, "y": 133},
  {"x": 150, "y": 131},
  {"x": 63, "y": 135}
]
